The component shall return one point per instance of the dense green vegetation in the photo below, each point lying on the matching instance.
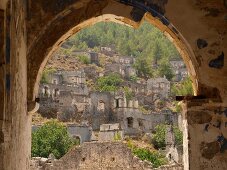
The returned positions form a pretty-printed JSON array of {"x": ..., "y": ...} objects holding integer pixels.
[
  {"x": 183, "y": 89},
  {"x": 84, "y": 59},
  {"x": 147, "y": 44},
  {"x": 147, "y": 41},
  {"x": 46, "y": 73},
  {"x": 53, "y": 138},
  {"x": 128, "y": 93},
  {"x": 109, "y": 83},
  {"x": 154, "y": 157},
  {"x": 159, "y": 137}
]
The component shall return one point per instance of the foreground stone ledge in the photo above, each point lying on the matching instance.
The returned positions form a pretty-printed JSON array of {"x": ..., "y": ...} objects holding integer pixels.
[{"x": 97, "y": 155}]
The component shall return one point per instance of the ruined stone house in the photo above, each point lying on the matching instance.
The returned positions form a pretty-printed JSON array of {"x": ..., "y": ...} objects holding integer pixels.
[
  {"x": 93, "y": 57},
  {"x": 100, "y": 109},
  {"x": 110, "y": 132},
  {"x": 179, "y": 69},
  {"x": 135, "y": 123},
  {"x": 126, "y": 71},
  {"x": 158, "y": 87},
  {"x": 125, "y": 60},
  {"x": 65, "y": 96},
  {"x": 173, "y": 152},
  {"x": 108, "y": 51}
]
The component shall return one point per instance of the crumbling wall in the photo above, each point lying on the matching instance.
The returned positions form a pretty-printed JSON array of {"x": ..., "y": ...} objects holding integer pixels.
[
  {"x": 99, "y": 155},
  {"x": 105, "y": 155},
  {"x": 141, "y": 122},
  {"x": 206, "y": 135},
  {"x": 82, "y": 131},
  {"x": 100, "y": 109},
  {"x": 15, "y": 122},
  {"x": 2, "y": 78}
]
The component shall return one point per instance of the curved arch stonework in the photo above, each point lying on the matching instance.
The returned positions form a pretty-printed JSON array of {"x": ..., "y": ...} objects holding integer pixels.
[
  {"x": 58, "y": 23},
  {"x": 33, "y": 29},
  {"x": 177, "y": 39}
]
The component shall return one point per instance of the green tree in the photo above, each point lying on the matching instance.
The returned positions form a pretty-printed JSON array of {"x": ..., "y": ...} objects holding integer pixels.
[
  {"x": 108, "y": 83},
  {"x": 157, "y": 53},
  {"x": 165, "y": 70},
  {"x": 143, "y": 67},
  {"x": 53, "y": 138},
  {"x": 128, "y": 93},
  {"x": 183, "y": 89},
  {"x": 159, "y": 138},
  {"x": 133, "y": 79},
  {"x": 46, "y": 73},
  {"x": 84, "y": 59},
  {"x": 178, "y": 134},
  {"x": 156, "y": 158},
  {"x": 147, "y": 41}
]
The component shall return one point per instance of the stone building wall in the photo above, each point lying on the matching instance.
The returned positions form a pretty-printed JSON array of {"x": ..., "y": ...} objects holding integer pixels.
[
  {"x": 207, "y": 131},
  {"x": 159, "y": 87},
  {"x": 100, "y": 109},
  {"x": 110, "y": 132},
  {"x": 134, "y": 122},
  {"x": 83, "y": 132},
  {"x": 66, "y": 99}
]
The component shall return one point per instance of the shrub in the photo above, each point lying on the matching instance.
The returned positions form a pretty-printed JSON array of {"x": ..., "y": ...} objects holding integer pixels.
[
  {"x": 84, "y": 59},
  {"x": 53, "y": 138},
  {"x": 178, "y": 134},
  {"x": 108, "y": 83},
  {"x": 133, "y": 78},
  {"x": 183, "y": 89},
  {"x": 154, "y": 157},
  {"x": 46, "y": 74},
  {"x": 128, "y": 93},
  {"x": 117, "y": 136},
  {"x": 159, "y": 137}
]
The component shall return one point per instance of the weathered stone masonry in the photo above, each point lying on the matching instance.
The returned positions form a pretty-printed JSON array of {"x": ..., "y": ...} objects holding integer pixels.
[
  {"x": 34, "y": 29},
  {"x": 15, "y": 123},
  {"x": 207, "y": 134},
  {"x": 99, "y": 156}
]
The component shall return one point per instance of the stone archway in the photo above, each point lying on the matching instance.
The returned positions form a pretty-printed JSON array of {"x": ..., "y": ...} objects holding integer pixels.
[
  {"x": 32, "y": 29},
  {"x": 39, "y": 52},
  {"x": 38, "y": 63}
]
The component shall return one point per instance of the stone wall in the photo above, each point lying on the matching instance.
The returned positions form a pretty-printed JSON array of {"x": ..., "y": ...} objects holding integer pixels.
[
  {"x": 2, "y": 79},
  {"x": 159, "y": 87},
  {"x": 110, "y": 132},
  {"x": 97, "y": 156},
  {"x": 141, "y": 122},
  {"x": 15, "y": 122},
  {"x": 100, "y": 109},
  {"x": 206, "y": 137},
  {"x": 81, "y": 131},
  {"x": 69, "y": 101}
]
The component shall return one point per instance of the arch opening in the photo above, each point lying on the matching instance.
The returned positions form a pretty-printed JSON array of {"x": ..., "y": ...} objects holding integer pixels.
[
  {"x": 174, "y": 36},
  {"x": 131, "y": 103}
]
